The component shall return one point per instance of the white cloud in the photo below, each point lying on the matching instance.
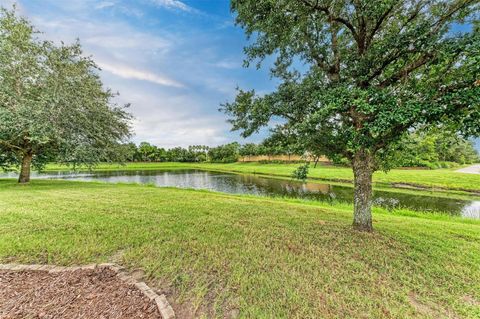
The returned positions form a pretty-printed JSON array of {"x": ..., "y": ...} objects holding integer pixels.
[
  {"x": 180, "y": 132},
  {"x": 110, "y": 36},
  {"x": 228, "y": 64},
  {"x": 116, "y": 47},
  {"x": 170, "y": 120},
  {"x": 174, "y": 79},
  {"x": 173, "y": 4},
  {"x": 106, "y": 39},
  {"x": 104, "y": 4},
  {"x": 127, "y": 72}
]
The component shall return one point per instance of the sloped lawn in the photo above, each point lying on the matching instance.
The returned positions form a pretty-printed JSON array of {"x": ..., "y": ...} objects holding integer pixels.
[{"x": 221, "y": 255}]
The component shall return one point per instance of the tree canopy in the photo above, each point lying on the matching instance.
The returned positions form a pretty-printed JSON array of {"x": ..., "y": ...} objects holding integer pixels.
[
  {"x": 356, "y": 76},
  {"x": 53, "y": 105}
]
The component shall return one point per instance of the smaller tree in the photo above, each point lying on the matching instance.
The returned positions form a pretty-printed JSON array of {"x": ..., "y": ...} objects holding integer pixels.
[
  {"x": 161, "y": 155},
  {"x": 119, "y": 152},
  {"x": 147, "y": 151},
  {"x": 178, "y": 154},
  {"x": 197, "y": 153},
  {"x": 249, "y": 149},
  {"x": 283, "y": 142},
  {"x": 127, "y": 151},
  {"x": 427, "y": 147},
  {"x": 52, "y": 103},
  {"x": 227, "y": 153}
]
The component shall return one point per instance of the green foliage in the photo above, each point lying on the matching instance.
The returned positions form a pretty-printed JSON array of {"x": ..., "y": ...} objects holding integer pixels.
[
  {"x": 282, "y": 142},
  {"x": 198, "y": 153},
  {"x": 372, "y": 71},
  {"x": 430, "y": 149},
  {"x": 179, "y": 154},
  {"x": 227, "y": 153},
  {"x": 249, "y": 149},
  {"x": 433, "y": 149},
  {"x": 356, "y": 76},
  {"x": 146, "y": 152},
  {"x": 128, "y": 151},
  {"x": 52, "y": 103},
  {"x": 301, "y": 173}
]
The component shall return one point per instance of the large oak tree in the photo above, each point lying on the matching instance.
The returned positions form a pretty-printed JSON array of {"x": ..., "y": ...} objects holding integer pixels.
[
  {"x": 53, "y": 105},
  {"x": 357, "y": 75}
]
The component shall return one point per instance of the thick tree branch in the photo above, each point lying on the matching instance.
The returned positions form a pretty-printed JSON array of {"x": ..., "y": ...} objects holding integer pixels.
[
  {"x": 424, "y": 58},
  {"x": 334, "y": 71},
  {"x": 319, "y": 60},
  {"x": 405, "y": 72},
  {"x": 11, "y": 145},
  {"x": 386, "y": 139},
  {"x": 327, "y": 11},
  {"x": 378, "y": 24},
  {"x": 454, "y": 9},
  {"x": 362, "y": 27},
  {"x": 382, "y": 67}
]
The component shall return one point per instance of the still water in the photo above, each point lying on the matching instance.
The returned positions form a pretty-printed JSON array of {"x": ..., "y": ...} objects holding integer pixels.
[{"x": 255, "y": 185}]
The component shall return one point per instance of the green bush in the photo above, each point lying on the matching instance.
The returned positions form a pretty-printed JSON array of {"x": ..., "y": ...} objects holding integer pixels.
[
  {"x": 227, "y": 153},
  {"x": 301, "y": 173}
]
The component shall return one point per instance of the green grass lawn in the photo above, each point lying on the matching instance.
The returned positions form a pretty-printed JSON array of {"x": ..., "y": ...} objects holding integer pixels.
[
  {"x": 215, "y": 254},
  {"x": 438, "y": 179}
]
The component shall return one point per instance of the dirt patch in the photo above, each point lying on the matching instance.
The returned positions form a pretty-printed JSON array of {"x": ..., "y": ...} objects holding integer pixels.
[
  {"x": 429, "y": 310},
  {"x": 421, "y": 307},
  {"x": 96, "y": 293},
  {"x": 471, "y": 300},
  {"x": 117, "y": 256}
]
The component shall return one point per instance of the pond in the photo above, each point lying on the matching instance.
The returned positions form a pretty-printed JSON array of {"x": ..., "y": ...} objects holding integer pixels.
[{"x": 256, "y": 185}]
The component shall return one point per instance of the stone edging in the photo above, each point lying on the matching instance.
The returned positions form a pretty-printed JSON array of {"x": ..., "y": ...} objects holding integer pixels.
[{"x": 166, "y": 311}]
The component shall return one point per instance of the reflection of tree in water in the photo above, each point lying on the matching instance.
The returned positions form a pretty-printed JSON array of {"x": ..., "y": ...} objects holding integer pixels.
[
  {"x": 327, "y": 192},
  {"x": 388, "y": 203}
]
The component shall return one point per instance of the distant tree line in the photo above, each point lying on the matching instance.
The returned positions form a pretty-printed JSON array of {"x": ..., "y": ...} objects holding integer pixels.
[
  {"x": 432, "y": 149},
  {"x": 227, "y": 153}
]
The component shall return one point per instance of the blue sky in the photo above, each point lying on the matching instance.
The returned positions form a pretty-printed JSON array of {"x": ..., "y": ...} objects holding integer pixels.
[{"x": 174, "y": 61}]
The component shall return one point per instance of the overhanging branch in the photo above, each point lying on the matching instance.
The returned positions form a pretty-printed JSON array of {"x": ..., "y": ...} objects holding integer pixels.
[
  {"x": 332, "y": 17},
  {"x": 7, "y": 144}
]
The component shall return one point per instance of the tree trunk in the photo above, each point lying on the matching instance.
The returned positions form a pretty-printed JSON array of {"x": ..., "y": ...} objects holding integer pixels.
[
  {"x": 316, "y": 161},
  {"x": 25, "y": 168},
  {"x": 363, "y": 171}
]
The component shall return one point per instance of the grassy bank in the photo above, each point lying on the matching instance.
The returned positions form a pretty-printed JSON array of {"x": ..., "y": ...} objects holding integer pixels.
[
  {"x": 440, "y": 179},
  {"x": 216, "y": 254}
]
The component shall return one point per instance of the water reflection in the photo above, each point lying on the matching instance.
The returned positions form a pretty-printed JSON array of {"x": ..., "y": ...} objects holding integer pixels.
[
  {"x": 255, "y": 185},
  {"x": 472, "y": 210}
]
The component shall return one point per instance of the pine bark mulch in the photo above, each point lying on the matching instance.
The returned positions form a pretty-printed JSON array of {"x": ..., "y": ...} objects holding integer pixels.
[{"x": 93, "y": 293}]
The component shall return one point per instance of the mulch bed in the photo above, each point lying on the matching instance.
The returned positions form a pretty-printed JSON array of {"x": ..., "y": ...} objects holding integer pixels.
[{"x": 96, "y": 293}]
